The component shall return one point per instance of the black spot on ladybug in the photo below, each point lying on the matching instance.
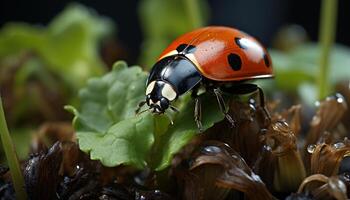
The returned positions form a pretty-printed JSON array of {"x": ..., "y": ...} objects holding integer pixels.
[
  {"x": 186, "y": 48},
  {"x": 266, "y": 60},
  {"x": 235, "y": 61},
  {"x": 238, "y": 42}
]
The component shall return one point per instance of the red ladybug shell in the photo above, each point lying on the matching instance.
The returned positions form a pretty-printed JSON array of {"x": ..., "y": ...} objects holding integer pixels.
[{"x": 223, "y": 54}]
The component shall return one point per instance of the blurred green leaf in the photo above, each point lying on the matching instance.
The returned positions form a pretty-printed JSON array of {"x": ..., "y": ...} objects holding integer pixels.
[
  {"x": 108, "y": 129},
  {"x": 308, "y": 93},
  {"x": 300, "y": 65},
  {"x": 21, "y": 139},
  {"x": 68, "y": 46},
  {"x": 162, "y": 22}
]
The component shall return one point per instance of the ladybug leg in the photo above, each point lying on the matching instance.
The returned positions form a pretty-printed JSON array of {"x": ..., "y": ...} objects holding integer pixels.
[
  {"x": 262, "y": 103},
  {"x": 141, "y": 104},
  {"x": 197, "y": 109},
  {"x": 198, "y": 114},
  {"x": 222, "y": 106},
  {"x": 247, "y": 88}
]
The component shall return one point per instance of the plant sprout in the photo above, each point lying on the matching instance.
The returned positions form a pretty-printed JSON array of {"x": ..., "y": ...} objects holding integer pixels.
[
  {"x": 326, "y": 36},
  {"x": 11, "y": 156}
]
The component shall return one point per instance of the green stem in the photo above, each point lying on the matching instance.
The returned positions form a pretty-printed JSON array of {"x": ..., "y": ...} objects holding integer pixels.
[
  {"x": 327, "y": 31},
  {"x": 193, "y": 11},
  {"x": 11, "y": 156}
]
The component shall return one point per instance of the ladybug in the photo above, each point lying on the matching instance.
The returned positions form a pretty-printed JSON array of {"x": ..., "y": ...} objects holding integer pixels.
[{"x": 215, "y": 58}]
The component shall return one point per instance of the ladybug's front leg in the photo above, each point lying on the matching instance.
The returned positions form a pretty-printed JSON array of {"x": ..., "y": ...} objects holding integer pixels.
[
  {"x": 246, "y": 88},
  {"x": 198, "y": 114},
  {"x": 262, "y": 103},
  {"x": 222, "y": 106}
]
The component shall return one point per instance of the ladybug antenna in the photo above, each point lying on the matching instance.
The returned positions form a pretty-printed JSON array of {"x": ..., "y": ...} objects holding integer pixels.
[
  {"x": 169, "y": 117},
  {"x": 139, "y": 113},
  {"x": 141, "y": 104},
  {"x": 174, "y": 108}
]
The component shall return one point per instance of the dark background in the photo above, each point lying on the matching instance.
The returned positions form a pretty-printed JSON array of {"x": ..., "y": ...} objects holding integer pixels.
[{"x": 260, "y": 18}]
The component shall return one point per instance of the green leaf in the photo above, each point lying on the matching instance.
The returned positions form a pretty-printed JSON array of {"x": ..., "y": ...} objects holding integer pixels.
[
  {"x": 127, "y": 142},
  {"x": 110, "y": 99},
  {"x": 308, "y": 93},
  {"x": 68, "y": 46},
  {"x": 73, "y": 42},
  {"x": 18, "y": 37},
  {"x": 300, "y": 65},
  {"x": 106, "y": 124},
  {"x": 184, "y": 129}
]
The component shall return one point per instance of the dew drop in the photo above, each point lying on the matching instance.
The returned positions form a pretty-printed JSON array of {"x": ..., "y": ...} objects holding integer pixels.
[
  {"x": 346, "y": 176},
  {"x": 252, "y": 107},
  {"x": 157, "y": 192},
  {"x": 267, "y": 148},
  {"x": 311, "y": 148},
  {"x": 338, "y": 145},
  {"x": 340, "y": 100},
  {"x": 252, "y": 101},
  {"x": 338, "y": 97},
  {"x": 317, "y": 103},
  {"x": 211, "y": 150}
]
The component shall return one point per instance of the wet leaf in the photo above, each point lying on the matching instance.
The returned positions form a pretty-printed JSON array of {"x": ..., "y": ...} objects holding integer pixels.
[
  {"x": 292, "y": 116},
  {"x": 344, "y": 89},
  {"x": 251, "y": 122},
  {"x": 327, "y": 158},
  {"x": 284, "y": 166},
  {"x": 228, "y": 171},
  {"x": 42, "y": 171},
  {"x": 323, "y": 187},
  {"x": 327, "y": 118}
]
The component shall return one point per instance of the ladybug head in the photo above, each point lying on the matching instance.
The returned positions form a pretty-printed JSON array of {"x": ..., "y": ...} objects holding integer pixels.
[{"x": 159, "y": 95}]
